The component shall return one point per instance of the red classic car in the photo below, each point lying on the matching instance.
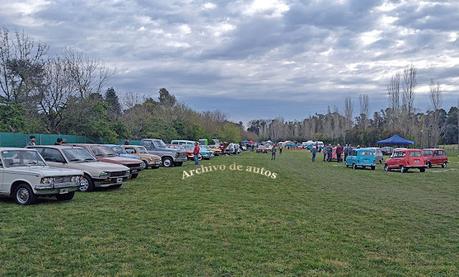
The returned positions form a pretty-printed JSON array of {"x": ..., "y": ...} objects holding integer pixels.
[
  {"x": 435, "y": 156},
  {"x": 404, "y": 159},
  {"x": 106, "y": 154}
]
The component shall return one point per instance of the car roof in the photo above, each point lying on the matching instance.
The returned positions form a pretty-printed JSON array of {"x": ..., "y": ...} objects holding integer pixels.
[
  {"x": 53, "y": 146},
  {"x": 13, "y": 148}
]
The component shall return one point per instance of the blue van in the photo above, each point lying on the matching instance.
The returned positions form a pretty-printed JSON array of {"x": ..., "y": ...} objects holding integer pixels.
[{"x": 362, "y": 157}]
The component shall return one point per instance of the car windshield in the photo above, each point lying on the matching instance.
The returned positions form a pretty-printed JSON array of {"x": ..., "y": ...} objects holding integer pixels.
[
  {"x": 118, "y": 149},
  {"x": 142, "y": 150},
  {"x": 159, "y": 144},
  {"x": 18, "y": 158},
  {"x": 78, "y": 155},
  {"x": 103, "y": 151}
]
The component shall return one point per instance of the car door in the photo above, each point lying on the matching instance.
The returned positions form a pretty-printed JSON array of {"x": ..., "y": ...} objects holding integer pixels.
[{"x": 393, "y": 160}]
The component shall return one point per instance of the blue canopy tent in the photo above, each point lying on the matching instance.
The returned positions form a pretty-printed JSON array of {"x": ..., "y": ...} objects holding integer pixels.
[{"x": 395, "y": 140}]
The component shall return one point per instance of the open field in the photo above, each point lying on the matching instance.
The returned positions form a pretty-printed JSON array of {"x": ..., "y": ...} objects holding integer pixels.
[{"x": 313, "y": 219}]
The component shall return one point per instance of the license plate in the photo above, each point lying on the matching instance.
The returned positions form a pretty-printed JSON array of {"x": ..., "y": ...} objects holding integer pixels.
[
  {"x": 119, "y": 180},
  {"x": 416, "y": 161},
  {"x": 63, "y": 191}
]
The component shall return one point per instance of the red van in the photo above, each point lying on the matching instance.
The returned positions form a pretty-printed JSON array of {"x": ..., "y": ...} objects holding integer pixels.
[
  {"x": 435, "y": 156},
  {"x": 404, "y": 159}
]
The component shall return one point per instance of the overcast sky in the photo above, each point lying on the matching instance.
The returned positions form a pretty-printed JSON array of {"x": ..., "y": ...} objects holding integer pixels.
[{"x": 257, "y": 58}]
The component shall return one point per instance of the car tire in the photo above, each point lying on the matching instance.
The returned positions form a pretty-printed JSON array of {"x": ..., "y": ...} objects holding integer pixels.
[
  {"x": 86, "y": 184},
  {"x": 373, "y": 167},
  {"x": 65, "y": 197},
  {"x": 133, "y": 176},
  {"x": 146, "y": 164},
  {"x": 167, "y": 162},
  {"x": 403, "y": 169},
  {"x": 386, "y": 168},
  {"x": 354, "y": 166},
  {"x": 444, "y": 165},
  {"x": 429, "y": 164},
  {"x": 422, "y": 169},
  {"x": 23, "y": 195}
]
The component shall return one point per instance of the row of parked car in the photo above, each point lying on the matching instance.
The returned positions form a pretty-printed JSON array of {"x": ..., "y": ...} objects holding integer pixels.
[
  {"x": 402, "y": 159},
  {"x": 61, "y": 170}
]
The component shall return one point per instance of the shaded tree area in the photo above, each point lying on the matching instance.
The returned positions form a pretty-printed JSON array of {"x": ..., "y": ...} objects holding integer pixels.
[{"x": 68, "y": 94}]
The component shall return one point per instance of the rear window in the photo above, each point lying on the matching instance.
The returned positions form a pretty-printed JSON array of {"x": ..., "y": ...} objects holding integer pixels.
[
  {"x": 398, "y": 154},
  {"x": 440, "y": 153},
  {"x": 427, "y": 152},
  {"x": 415, "y": 154}
]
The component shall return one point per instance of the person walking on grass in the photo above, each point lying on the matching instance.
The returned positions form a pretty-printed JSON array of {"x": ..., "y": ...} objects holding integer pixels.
[
  {"x": 273, "y": 152},
  {"x": 196, "y": 151},
  {"x": 314, "y": 153},
  {"x": 280, "y": 149}
]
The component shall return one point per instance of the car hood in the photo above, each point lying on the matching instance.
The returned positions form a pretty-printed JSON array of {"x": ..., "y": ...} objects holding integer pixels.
[
  {"x": 118, "y": 160},
  {"x": 102, "y": 166},
  {"x": 44, "y": 171}
]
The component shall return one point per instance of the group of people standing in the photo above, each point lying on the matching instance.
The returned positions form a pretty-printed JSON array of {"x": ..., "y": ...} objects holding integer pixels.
[{"x": 328, "y": 150}]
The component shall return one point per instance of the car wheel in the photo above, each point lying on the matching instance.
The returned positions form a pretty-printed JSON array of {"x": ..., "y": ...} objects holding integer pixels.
[
  {"x": 429, "y": 164},
  {"x": 86, "y": 184},
  {"x": 403, "y": 169},
  {"x": 444, "y": 165},
  {"x": 168, "y": 162},
  {"x": 422, "y": 169},
  {"x": 373, "y": 167},
  {"x": 146, "y": 164},
  {"x": 133, "y": 176},
  {"x": 354, "y": 166},
  {"x": 23, "y": 195},
  {"x": 65, "y": 197},
  {"x": 386, "y": 168}
]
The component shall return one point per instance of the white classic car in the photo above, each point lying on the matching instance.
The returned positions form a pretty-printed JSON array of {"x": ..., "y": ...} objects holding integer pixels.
[
  {"x": 96, "y": 174},
  {"x": 24, "y": 175}
]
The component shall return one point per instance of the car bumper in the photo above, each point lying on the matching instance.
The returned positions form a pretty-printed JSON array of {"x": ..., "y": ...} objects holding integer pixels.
[
  {"x": 110, "y": 181},
  {"x": 154, "y": 163},
  {"x": 56, "y": 189},
  {"x": 180, "y": 159}
]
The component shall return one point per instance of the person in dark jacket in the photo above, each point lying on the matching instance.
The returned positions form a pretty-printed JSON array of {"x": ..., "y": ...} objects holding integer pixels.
[
  {"x": 339, "y": 152},
  {"x": 314, "y": 153},
  {"x": 59, "y": 141}
]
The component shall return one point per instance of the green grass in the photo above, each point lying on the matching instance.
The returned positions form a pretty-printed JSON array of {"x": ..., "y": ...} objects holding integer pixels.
[{"x": 313, "y": 219}]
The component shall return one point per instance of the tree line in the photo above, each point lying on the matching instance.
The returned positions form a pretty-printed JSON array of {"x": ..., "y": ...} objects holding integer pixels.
[
  {"x": 431, "y": 128},
  {"x": 68, "y": 94}
]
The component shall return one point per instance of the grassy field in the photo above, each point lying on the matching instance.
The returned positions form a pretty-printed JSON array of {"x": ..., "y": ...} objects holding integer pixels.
[{"x": 313, "y": 219}]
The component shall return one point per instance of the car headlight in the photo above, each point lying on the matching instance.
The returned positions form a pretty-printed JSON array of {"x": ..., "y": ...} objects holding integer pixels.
[
  {"x": 47, "y": 181},
  {"x": 104, "y": 174}
]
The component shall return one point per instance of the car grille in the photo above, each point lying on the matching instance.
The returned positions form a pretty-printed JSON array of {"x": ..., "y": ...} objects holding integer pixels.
[
  {"x": 63, "y": 179},
  {"x": 118, "y": 174},
  {"x": 133, "y": 165}
]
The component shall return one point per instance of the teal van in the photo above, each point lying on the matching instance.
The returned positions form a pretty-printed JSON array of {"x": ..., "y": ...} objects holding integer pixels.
[{"x": 362, "y": 158}]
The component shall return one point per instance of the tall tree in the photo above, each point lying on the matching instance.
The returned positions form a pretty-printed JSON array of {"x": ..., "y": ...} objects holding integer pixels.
[
  {"x": 55, "y": 92},
  {"x": 21, "y": 66},
  {"x": 113, "y": 104}
]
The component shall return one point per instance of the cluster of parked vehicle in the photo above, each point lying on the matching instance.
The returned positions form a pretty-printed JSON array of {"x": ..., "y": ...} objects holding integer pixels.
[
  {"x": 401, "y": 159},
  {"x": 61, "y": 170}
]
